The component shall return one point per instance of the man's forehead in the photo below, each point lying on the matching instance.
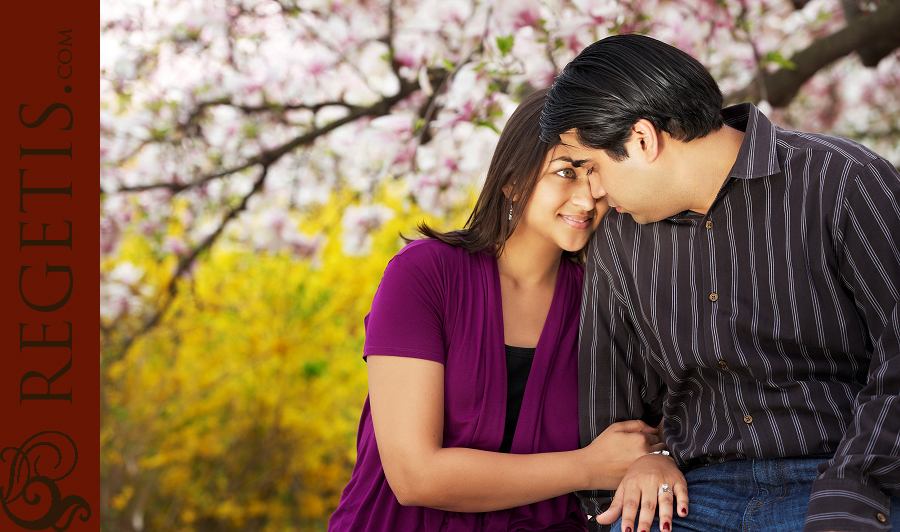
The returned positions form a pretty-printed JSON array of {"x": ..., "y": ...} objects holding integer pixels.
[{"x": 569, "y": 139}]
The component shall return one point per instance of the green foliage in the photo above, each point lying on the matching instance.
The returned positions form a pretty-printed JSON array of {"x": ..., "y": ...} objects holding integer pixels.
[
  {"x": 775, "y": 58},
  {"x": 505, "y": 44},
  {"x": 239, "y": 411}
]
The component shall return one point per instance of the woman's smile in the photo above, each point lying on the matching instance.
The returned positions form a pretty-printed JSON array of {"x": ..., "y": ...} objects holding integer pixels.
[{"x": 581, "y": 223}]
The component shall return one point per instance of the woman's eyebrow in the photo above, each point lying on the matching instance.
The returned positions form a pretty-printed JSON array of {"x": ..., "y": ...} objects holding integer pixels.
[{"x": 576, "y": 163}]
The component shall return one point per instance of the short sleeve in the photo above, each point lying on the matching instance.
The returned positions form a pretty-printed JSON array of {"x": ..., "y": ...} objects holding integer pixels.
[{"x": 406, "y": 319}]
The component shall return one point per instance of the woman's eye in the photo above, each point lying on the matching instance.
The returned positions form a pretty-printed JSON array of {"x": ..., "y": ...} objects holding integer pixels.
[{"x": 566, "y": 172}]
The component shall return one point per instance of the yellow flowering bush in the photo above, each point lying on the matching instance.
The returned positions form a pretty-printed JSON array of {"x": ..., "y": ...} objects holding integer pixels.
[{"x": 239, "y": 410}]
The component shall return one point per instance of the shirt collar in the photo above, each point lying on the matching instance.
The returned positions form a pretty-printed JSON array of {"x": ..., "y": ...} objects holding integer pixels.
[{"x": 757, "y": 156}]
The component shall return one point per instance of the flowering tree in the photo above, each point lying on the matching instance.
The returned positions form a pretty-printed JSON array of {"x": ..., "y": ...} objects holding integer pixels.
[
  {"x": 252, "y": 111},
  {"x": 236, "y": 121}
]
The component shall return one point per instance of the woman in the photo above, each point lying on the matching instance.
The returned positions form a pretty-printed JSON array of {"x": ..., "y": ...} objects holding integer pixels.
[{"x": 451, "y": 438}]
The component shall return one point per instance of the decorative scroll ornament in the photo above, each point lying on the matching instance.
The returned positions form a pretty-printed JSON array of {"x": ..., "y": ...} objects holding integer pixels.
[{"x": 31, "y": 499}]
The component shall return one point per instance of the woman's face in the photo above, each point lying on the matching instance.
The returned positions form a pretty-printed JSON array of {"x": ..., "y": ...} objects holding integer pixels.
[{"x": 561, "y": 212}]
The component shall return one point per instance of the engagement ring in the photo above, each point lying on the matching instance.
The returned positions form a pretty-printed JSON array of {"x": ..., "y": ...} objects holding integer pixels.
[{"x": 663, "y": 488}]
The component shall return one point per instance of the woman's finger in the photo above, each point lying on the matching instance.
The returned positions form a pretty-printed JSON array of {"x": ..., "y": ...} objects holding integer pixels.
[
  {"x": 666, "y": 500},
  {"x": 657, "y": 447},
  {"x": 648, "y": 511},
  {"x": 631, "y": 504},
  {"x": 681, "y": 494},
  {"x": 613, "y": 512},
  {"x": 634, "y": 425}
]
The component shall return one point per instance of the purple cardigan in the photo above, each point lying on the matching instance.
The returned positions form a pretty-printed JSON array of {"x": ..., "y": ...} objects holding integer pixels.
[{"x": 438, "y": 302}]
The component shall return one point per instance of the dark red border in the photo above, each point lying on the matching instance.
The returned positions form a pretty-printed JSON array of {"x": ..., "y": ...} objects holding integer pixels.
[{"x": 39, "y": 63}]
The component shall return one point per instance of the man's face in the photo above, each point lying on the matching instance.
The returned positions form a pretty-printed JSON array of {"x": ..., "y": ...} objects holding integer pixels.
[{"x": 634, "y": 185}]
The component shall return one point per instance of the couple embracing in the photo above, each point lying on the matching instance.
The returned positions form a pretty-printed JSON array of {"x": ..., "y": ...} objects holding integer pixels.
[{"x": 661, "y": 315}]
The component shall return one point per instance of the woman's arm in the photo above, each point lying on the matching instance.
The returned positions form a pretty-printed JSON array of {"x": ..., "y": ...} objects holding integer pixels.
[{"x": 407, "y": 401}]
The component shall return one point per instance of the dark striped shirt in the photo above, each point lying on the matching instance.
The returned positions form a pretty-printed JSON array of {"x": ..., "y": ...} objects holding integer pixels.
[{"x": 766, "y": 328}]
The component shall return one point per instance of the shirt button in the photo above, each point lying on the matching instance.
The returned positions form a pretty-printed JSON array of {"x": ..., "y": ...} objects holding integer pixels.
[
  {"x": 709, "y": 224},
  {"x": 723, "y": 364},
  {"x": 713, "y": 297},
  {"x": 881, "y": 518},
  {"x": 748, "y": 419}
]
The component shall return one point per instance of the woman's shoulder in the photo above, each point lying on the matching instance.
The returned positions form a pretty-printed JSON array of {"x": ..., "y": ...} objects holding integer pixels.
[{"x": 429, "y": 253}]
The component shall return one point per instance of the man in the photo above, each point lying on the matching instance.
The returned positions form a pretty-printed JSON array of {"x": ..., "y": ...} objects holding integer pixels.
[{"x": 744, "y": 286}]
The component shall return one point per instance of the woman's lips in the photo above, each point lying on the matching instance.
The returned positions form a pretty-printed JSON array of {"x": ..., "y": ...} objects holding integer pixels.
[{"x": 578, "y": 222}]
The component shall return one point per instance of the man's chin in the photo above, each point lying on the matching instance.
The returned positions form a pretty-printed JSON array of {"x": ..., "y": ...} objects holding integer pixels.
[{"x": 642, "y": 219}]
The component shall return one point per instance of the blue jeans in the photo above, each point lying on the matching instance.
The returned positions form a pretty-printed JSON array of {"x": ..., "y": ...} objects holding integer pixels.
[{"x": 751, "y": 496}]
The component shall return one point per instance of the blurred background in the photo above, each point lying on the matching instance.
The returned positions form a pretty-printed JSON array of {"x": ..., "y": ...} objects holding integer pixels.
[{"x": 259, "y": 159}]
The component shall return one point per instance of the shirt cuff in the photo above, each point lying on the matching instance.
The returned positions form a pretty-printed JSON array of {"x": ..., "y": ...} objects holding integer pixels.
[{"x": 847, "y": 506}]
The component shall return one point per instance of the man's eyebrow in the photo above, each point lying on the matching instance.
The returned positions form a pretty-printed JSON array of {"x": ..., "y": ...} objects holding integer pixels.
[{"x": 576, "y": 163}]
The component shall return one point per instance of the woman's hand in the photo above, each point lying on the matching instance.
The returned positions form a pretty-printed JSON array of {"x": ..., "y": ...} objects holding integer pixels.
[
  {"x": 641, "y": 489},
  {"x": 611, "y": 453},
  {"x": 406, "y": 396}
]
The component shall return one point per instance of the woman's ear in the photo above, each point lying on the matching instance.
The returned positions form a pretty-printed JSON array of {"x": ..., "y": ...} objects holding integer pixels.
[{"x": 507, "y": 190}]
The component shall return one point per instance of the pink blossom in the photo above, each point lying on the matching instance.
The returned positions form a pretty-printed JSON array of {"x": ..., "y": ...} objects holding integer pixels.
[
  {"x": 175, "y": 245},
  {"x": 190, "y": 89},
  {"x": 528, "y": 16}
]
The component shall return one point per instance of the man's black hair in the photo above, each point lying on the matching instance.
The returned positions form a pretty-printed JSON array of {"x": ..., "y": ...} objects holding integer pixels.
[{"x": 621, "y": 79}]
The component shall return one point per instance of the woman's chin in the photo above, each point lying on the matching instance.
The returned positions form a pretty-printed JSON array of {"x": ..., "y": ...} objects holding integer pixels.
[{"x": 575, "y": 246}]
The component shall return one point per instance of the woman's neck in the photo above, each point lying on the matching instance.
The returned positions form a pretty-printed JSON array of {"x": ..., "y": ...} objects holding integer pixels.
[
  {"x": 528, "y": 274},
  {"x": 528, "y": 265}
]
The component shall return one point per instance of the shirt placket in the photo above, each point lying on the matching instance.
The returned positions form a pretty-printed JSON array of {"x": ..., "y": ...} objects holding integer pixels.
[{"x": 717, "y": 358}]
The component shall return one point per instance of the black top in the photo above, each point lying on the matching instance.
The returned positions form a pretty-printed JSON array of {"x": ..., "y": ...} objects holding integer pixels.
[{"x": 518, "y": 366}]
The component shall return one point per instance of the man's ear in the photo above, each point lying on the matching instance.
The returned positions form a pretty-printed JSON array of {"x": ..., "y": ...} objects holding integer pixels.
[{"x": 647, "y": 139}]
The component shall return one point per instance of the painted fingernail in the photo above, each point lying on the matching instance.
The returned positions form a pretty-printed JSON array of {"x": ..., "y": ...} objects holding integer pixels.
[
  {"x": 665, "y": 525},
  {"x": 628, "y": 529},
  {"x": 683, "y": 511}
]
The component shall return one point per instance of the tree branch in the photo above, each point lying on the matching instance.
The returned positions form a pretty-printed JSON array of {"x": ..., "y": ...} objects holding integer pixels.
[
  {"x": 389, "y": 40},
  {"x": 268, "y": 157},
  {"x": 878, "y": 26},
  {"x": 252, "y": 109},
  {"x": 876, "y": 49},
  {"x": 185, "y": 262}
]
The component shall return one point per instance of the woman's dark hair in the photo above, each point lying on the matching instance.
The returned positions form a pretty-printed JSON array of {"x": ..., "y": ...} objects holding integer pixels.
[
  {"x": 621, "y": 79},
  {"x": 515, "y": 169}
]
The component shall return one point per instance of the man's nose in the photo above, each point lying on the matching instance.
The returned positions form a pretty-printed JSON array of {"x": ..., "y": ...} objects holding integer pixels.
[
  {"x": 597, "y": 189},
  {"x": 583, "y": 197}
]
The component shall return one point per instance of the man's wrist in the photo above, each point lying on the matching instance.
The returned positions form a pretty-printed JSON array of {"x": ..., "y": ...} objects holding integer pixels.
[{"x": 846, "y": 505}]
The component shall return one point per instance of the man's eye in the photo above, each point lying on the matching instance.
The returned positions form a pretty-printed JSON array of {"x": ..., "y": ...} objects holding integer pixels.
[{"x": 566, "y": 172}]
